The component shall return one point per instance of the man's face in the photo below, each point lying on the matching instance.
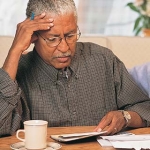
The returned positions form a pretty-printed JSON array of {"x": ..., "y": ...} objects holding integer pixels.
[{"x": 60, "y": 55}]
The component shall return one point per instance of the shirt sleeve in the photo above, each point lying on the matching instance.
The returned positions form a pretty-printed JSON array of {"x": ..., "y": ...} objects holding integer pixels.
[
  {"x": 10, "y": 104},
  {"x": 129, "y": 94},
  {"x": 141, "y": 75}
]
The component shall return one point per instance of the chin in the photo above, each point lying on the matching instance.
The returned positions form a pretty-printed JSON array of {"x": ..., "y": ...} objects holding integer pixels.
[{"x": 61, "y": 66}]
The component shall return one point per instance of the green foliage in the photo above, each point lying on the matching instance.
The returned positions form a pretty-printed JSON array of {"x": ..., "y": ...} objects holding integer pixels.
[
  {"x": 143, "y": 20},
  {"x": 134, "y": 8}
]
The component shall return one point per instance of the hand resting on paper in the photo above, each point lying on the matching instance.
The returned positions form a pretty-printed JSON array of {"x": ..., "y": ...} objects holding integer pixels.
[{"x": 114, "y": 121}]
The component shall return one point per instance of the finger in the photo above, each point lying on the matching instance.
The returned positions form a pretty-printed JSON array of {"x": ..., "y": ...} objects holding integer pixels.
[
  {"x": 43, "y": 18},
  {"x": 104, "y": 123},
  {"x": 115, "y": 126},
  {"x": 112, "y": 129},
  {"x": 36, "y": 25},
  {"x": 40, "y": 16}
]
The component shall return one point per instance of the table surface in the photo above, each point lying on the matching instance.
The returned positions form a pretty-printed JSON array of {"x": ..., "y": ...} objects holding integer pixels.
[{"x": 86, "y": 144}]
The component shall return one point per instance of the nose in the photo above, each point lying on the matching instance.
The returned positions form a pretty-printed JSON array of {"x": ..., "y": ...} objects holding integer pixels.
[{"x": 63, "y": 46}]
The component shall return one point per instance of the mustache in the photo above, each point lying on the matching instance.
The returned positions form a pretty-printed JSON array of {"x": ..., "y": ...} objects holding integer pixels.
[{"x": 66, "y": 54}]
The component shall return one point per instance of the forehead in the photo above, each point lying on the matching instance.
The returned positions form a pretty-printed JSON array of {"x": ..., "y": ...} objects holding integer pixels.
[{"x": 63, "y": 23}]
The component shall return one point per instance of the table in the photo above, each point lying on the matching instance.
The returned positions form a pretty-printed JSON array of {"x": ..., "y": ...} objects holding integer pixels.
[{"x": 87, "y": 144}]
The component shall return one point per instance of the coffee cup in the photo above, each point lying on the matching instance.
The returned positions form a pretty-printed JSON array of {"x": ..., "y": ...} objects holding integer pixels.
[{"x": 35, "y": 134}]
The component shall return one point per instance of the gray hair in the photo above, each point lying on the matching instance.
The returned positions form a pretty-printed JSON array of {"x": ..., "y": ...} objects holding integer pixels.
[{"x": 58, "y": 7}]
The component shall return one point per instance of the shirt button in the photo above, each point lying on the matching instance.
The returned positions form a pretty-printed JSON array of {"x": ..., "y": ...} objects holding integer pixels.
[{"x": 60, "y": 72}]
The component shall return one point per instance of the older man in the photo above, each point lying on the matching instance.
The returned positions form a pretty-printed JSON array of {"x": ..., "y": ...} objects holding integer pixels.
[{"x": 65, "y": 82}]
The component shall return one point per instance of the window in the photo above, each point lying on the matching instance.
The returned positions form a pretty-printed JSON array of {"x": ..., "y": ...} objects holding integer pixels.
[
  {"x": 109, "y": 17},
  {"x": 102, "y": 17}
]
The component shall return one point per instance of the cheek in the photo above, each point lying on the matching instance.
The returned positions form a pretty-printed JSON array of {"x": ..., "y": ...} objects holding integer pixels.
[
  {"x": 49, "y": 54},
  {"x": 72, "y": 52},
  {"x": 72, "y": 49},
  {"x": 45, "y": 53}
]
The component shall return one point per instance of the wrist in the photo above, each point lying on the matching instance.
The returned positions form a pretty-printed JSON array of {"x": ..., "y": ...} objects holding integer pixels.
[{"x": 127, "y": 117}]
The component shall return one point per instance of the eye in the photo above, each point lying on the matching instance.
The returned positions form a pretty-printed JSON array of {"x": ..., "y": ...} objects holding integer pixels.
[
  {"x": 70, "y": 35},
  {"x": 53, "y": 39}
]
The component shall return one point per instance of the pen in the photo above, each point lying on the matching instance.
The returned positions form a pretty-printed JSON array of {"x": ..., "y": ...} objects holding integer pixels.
[{"x": 32, "y": 16}]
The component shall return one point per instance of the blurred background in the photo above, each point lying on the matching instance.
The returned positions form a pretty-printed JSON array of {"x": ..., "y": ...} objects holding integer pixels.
[{"x": 100, "y": 17}]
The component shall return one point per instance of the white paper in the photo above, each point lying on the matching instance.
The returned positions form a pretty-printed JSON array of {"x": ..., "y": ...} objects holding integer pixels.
[
  {"x": 104, "y": 142},
  {"x": 127, "y": 138},
  {"x": 75, "y": 136},
  {"x": 81, "y": 134},
  {"x": 126, "y": 141},
  {"x": 137, "y": 145}
]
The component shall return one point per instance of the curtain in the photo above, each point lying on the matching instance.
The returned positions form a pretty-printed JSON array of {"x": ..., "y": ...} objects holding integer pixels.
[{"x": 106, "y": 17}]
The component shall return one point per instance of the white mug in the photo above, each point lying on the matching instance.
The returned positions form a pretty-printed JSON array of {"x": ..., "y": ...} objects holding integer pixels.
[{"x": 35, "y": 134}]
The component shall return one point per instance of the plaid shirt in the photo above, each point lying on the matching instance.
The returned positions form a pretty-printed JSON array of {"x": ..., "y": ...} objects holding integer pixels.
[{"x": 95, "y": 83}]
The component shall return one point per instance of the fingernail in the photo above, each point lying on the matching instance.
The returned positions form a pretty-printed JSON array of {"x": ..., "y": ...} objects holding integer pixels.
[
  {"x": 51, "y": 24},
  {"x": 99, "y": 130}
]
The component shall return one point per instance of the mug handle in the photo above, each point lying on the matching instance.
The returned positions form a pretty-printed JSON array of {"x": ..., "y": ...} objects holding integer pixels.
[{"x": 17, "y": 135}]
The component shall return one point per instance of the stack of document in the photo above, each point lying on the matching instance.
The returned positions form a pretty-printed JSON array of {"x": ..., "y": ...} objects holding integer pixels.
[
  {"x": 75, "y": 136},
  {"x": 128, "y": 141}
]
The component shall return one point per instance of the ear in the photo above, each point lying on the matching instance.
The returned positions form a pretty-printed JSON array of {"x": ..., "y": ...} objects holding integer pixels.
[{"x": 34, "y": 37}]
